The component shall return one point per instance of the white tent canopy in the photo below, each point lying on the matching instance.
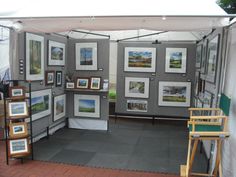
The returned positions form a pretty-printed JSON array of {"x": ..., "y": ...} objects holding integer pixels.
[{"x": 106, "y": 15}]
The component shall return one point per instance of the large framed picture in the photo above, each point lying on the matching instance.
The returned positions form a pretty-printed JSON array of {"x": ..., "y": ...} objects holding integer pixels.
[
  {"x": 18, "y": 147},
  {"x": 198, "y": 56},
  {"x": 49, "y": 77},
  {"x": 136, "y": 87},
  {"x": 176, "y": 60},
  {"x": 139, "y": 59},
  {"x": 34, "y": 57},
  {"x": 212, "y": 58},
  {"x": 176, "y": 94},
  {"x": 137, "y": 105},
  {"x": 82, "y": 83},
  {"x": 17, "y": 92},
  {"x": 17, "y": 109},
  {"x": 18, "y": 129},
  {"x": 87, "y": 105},
  {"x": 56, "y": 53},
  {"x": 95, "y": 83},
  {"x": 204, "y": 56},
  {"x": 41, "y": 102},
  {"x": 59, "y": 107},
  {"x": 86, "y": 56},
  {"x": 58, "y": 78}
]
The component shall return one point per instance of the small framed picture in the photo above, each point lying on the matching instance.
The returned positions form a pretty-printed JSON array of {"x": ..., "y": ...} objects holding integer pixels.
[
  {"x": 70, "y": 85},
  {"x": 137, "y": 105},
  {"x": 18, "y": 147},
  {"x": 59, "y": 107},
  {"x": 49, "y": 80},
  {"x": 18, "y": 129},
  {"x": 95, "y": 83},
  {"x": 17, "y": 92},
  {"x": 58, "y": 78},
  {"x": 82, "y": 83},
  {"x": 137, "y": 87},
  {"x": 17, "y": 109}
]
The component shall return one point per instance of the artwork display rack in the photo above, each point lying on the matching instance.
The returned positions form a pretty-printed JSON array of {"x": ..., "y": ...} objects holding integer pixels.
[{"x": 8, "y": 120}]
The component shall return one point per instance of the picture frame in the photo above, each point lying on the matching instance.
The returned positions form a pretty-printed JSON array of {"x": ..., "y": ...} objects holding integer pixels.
[
  {"x": 59, "y": 107},
  {"x": 176, "y": 94},
  {"x": 95, "y": 83},
  {"x": 208, "y": 99},
  {"x": 82, "y": 82},
  {"x": 86, "y": 56},
  {"x": 18, "y": 129},
  {"x": 56, "y": 53},
  {"x": 41, "y": 103},
  {"x": 18, "y": 147},
  {"x": 212, "y": 58},
  {"x": 176, "y": 59},
  {"x": 49, "y": 77},
  {"x": 17, "y": 92},
  {"x": 87, "y": 105},
  {"x": 136, "y": 87},
  {"x": 140, "y": 59},
  {"x": 70, "y": 85},
  {"x": 198, "y": 56},
  {"x": 197, "y": 83},
  {"x": 137, "y": 105},
  {"x": 17, "y": 109},
  {"x": 34, "y": 57},
  {"x": 58, "y": 78},
  {"x": 204, "y": 58}
]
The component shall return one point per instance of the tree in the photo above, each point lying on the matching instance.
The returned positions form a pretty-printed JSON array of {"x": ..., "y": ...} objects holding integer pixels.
[{"x": 228, "y": 5}]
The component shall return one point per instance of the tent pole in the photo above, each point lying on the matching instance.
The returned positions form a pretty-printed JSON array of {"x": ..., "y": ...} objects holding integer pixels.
[{"x": 96, "y": 34}]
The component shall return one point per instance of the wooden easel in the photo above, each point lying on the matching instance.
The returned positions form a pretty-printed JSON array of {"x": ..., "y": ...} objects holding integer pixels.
[{"x": 205, "y": 128}]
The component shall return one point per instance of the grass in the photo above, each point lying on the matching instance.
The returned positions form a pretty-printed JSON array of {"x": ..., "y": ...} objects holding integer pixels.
[
  {"x": 83, "y": 109},
  {"x": 174, "y": 98}
]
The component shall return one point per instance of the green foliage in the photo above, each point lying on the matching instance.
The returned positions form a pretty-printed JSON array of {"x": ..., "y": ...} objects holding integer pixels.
[
  {"x": 228, "y": 5},
  {"x": 112, "y": 94}
]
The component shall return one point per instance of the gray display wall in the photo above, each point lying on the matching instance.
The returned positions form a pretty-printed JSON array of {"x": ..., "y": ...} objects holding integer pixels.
[
  {"x": 159, "y": 75},
  {"x": 18, "y": 53},
  {"x": 103, "y": 72}
]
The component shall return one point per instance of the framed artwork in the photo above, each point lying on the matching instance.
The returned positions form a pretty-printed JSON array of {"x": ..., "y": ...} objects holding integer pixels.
[
  {"x": 17, "y": 92},
  {"x": 41, "y": 102},
  {"x": 198, "y": 56},
  {"x": 82, "y": 83},
  {"x": 174, "y": 94},
  {"x": 59, "y": 107},
  {"x": 204, "y": 54},
  {"x": 95, "y": 83},
  {"x": 18, "y": 146},
  {"x": 139, "y": 59},
  {"x": 137, "y": 105},
  {"x": 208, "y": 99},
  {"x": 18, "y": 129},
  {"x": 212, "y": 58},
  {"x": 70, "y": 85},
  {"x": 34, "y": 57},
  {"x": 49, "y": 77},
  {"x": 197, "y": 83},
  {"x": 87, "y": 105},
  {"x": 58, "y": 78},
  {"x": 176, "y": 60},
  {"x": 86, "y": 56},
  {"x": 56, "y": 53},
  {"x": 17, "y": 109},
  {"x": 136, "y": 87}
]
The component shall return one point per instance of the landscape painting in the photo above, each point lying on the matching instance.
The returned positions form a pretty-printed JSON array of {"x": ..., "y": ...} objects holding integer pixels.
[
  {"x": 59, "y": 107},
  {"x": 174, "y": 94},
  {"x": 18, "y": 146},
  {"x": 176, "y": 60},
  {"x": 86, "y": 56},
  {"x": 56, "y": 53},
  {"x": 137, "y": 87},
  {"x": 140, "y": 59},
  {"x": 137, "y": 105},
  {"x": 17, "y": 109},
  {"x": 87, "y": 105},
  {"x": 34, "y": 57}
]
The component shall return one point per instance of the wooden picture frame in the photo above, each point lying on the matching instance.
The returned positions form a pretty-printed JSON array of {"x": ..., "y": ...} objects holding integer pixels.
[
  {"x": 58, "y": 78},
  {"x": 34, "y": 57},
  {"x": 59, "y": 107},
  {"x": 136, "y": 87},
  {"x": 56, "y": 53},
  {"x": 140, "y": 59},
  {"x": 17, "y": 92},
  {"x": 82, "y": 82},
  {"x": 18, "y": 147},
  {"x": 70, "y": 85},
  {"x": 49, "y": 77},
  {"x": 17, "y": 109},
  {"x": 18, "y": 129},
  {"x": 95, "y": 83}
]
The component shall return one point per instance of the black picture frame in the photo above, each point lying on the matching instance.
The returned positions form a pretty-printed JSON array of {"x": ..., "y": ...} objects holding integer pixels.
[{"x": 58, "y": 78}]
